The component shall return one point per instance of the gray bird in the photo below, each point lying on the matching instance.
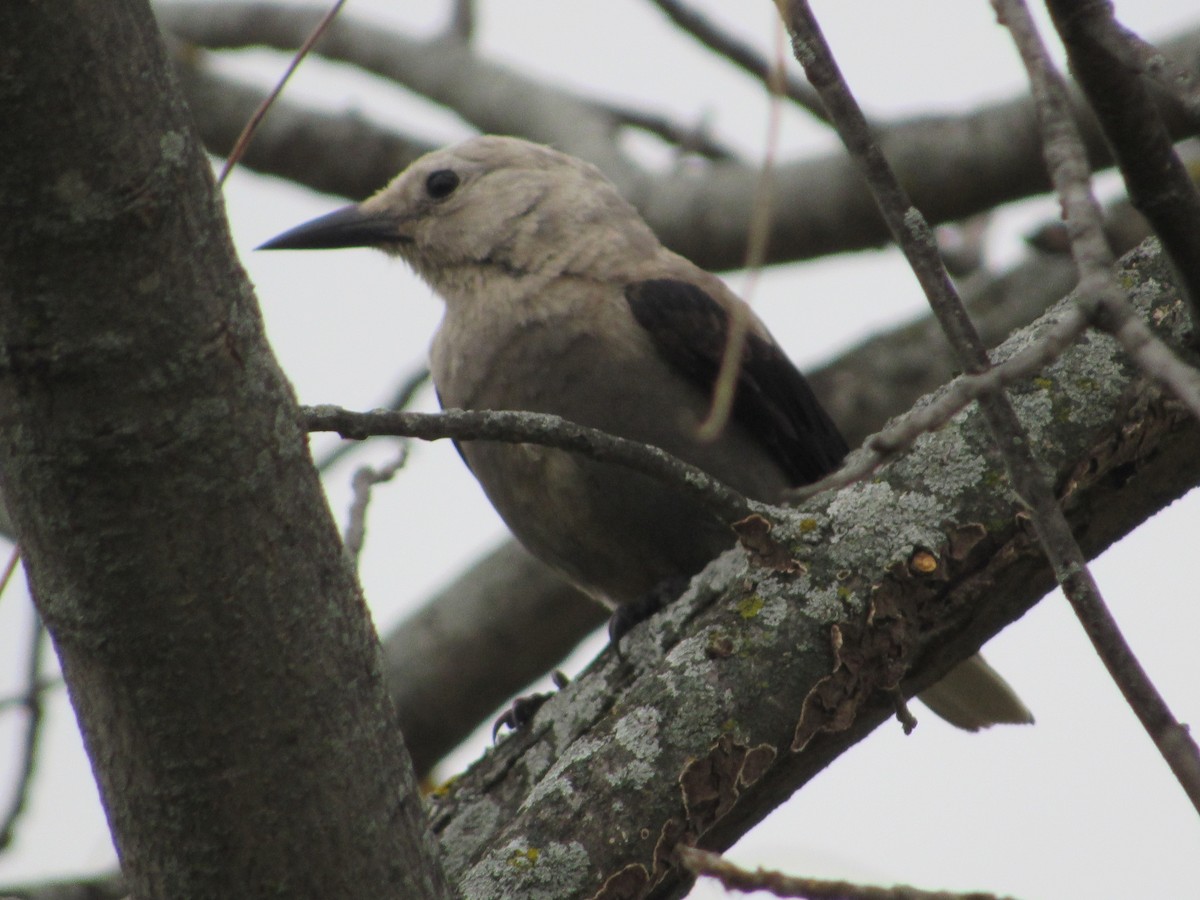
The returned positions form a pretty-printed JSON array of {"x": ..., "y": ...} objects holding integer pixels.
[{"x": 560, "y": 299}]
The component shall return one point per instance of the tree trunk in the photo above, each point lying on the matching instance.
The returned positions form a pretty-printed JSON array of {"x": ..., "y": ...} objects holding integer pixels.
[{"x": 219, "y": 656}]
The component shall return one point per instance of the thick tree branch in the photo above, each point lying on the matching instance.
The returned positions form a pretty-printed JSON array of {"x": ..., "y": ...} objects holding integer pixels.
[
  {"x": 952, "y": 166},
  {"x": 446, "y": 70},
  {"x": 1156, "y": 179},
  {"x": 220, "y": 659},
  {"x": 912, "y": 234},
  {"x": 701, "y": 765},
  {"x": 542, "y": 617}
]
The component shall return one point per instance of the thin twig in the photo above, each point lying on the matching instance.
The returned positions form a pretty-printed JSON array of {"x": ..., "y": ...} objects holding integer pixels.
[
  {"x": 912, "y": 233},
  {"x": 1067, "y": 163},
  {"x": 10, "y": 567},
  {"x": 462, "y": 20},
  {"x": 735, "y": 878},
  {"x": 899, "y": 435},
  {"x": 44, "y": 684},
  {"x": 1100, "y": 294},
  {"x": 400, "y": 399},
  {"x": 725, "y": 385},
  {"x": 536, "y": 428},
  {"x": 1156, "y": 179},
  {"x": 687, "y": 139},
  {"x": 741, "y": 55},
  {"x": 243, "y": 141},
  {"x": 364, "y": 479},
  {"x": 32, "y": 701}
]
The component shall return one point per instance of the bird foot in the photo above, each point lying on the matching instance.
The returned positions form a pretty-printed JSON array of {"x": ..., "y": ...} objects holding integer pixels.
[
  {"x": 523, "y": 709},
  {"x": 630, "y": 614}
]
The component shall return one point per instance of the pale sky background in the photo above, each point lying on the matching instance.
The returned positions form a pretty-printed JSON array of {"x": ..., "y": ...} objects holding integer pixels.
[{"x": 1080, "y": 805}]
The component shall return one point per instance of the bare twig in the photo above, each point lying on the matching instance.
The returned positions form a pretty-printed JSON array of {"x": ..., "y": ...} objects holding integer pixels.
[
  {"x": 536, "y": 428},
  {"x": 735, "y": 878},
  {"x": 462, "y": 20},
  {"x": 10, "y": 567},
  {"x": 1155, "y": 358},
  {"x": 1068, "y": 166},
  {"x": 686, "y": 138},
  {"x": 364, "y": 479},
  {"x": 741, "y": 55},
  {"x": 247, "y": 134},
  {"x": 899, "y": 435},
  {"x": 330, "y": 152},
  {"x": 912, "y": 233},
  {"x": 32, "y": 701},
  {"x": 1101, "y": 295},
  {"x": 725, "y": 385},
  {"x": 400, "y": 399},
  {"x": 1157, "y": 181},
  {"x": 44, "y": 684}
]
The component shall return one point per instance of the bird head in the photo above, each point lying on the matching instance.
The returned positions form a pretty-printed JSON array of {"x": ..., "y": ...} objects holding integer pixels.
[{"x": 498, "y": 202}]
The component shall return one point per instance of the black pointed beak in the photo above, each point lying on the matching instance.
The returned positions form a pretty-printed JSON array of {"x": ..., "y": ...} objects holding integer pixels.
[{"x": 345, "y": 227}]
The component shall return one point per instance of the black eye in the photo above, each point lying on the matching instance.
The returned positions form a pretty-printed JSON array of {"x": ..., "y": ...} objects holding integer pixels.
[{"x": 441, "y": 183}]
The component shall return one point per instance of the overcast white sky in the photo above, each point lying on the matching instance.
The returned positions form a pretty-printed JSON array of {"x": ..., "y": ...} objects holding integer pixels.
[{"x": 1078, "y": 805}]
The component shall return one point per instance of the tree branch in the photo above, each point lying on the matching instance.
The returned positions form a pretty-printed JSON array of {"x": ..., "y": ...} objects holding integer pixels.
[
  {"x": 735, "y": 878},
  {"x": 462, "y": 20},
  {"x": 506, "y": 621},
  {"x": 492, "y": 97},
  {"x": 220, "y": 659},
  {"x": 1156, "y": 179},
  {"x": 286, "y": 141},
  {"x": 740, "y": 54},
  {"x": 952, "y": 166},
  {"x": 542, "y": 617},
  {"x": 515, "y": 427},
  {"x": 706, "y": 765},
  {"x": 365, "y": 478},
  {"x": 32, "y": 702},
  {"x": 912, "y": 233},
  {"x": 1103, "y": 298}
]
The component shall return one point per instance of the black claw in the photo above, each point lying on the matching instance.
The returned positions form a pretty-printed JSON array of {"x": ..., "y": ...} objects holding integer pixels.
[
  {"x": 523, "y": 709},
  {"x": 641, "y": 609}
]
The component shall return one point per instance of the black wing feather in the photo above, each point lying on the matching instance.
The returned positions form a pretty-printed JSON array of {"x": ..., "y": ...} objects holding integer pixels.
[{"x": 773, "y": 401}]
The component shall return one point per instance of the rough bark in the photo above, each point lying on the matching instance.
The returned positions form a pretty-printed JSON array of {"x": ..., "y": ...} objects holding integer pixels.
[{"x": 217, "y": 650}]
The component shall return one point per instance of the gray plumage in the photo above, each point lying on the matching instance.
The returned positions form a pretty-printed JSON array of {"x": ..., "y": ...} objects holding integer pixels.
[{"x": 560, "y": 299}]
